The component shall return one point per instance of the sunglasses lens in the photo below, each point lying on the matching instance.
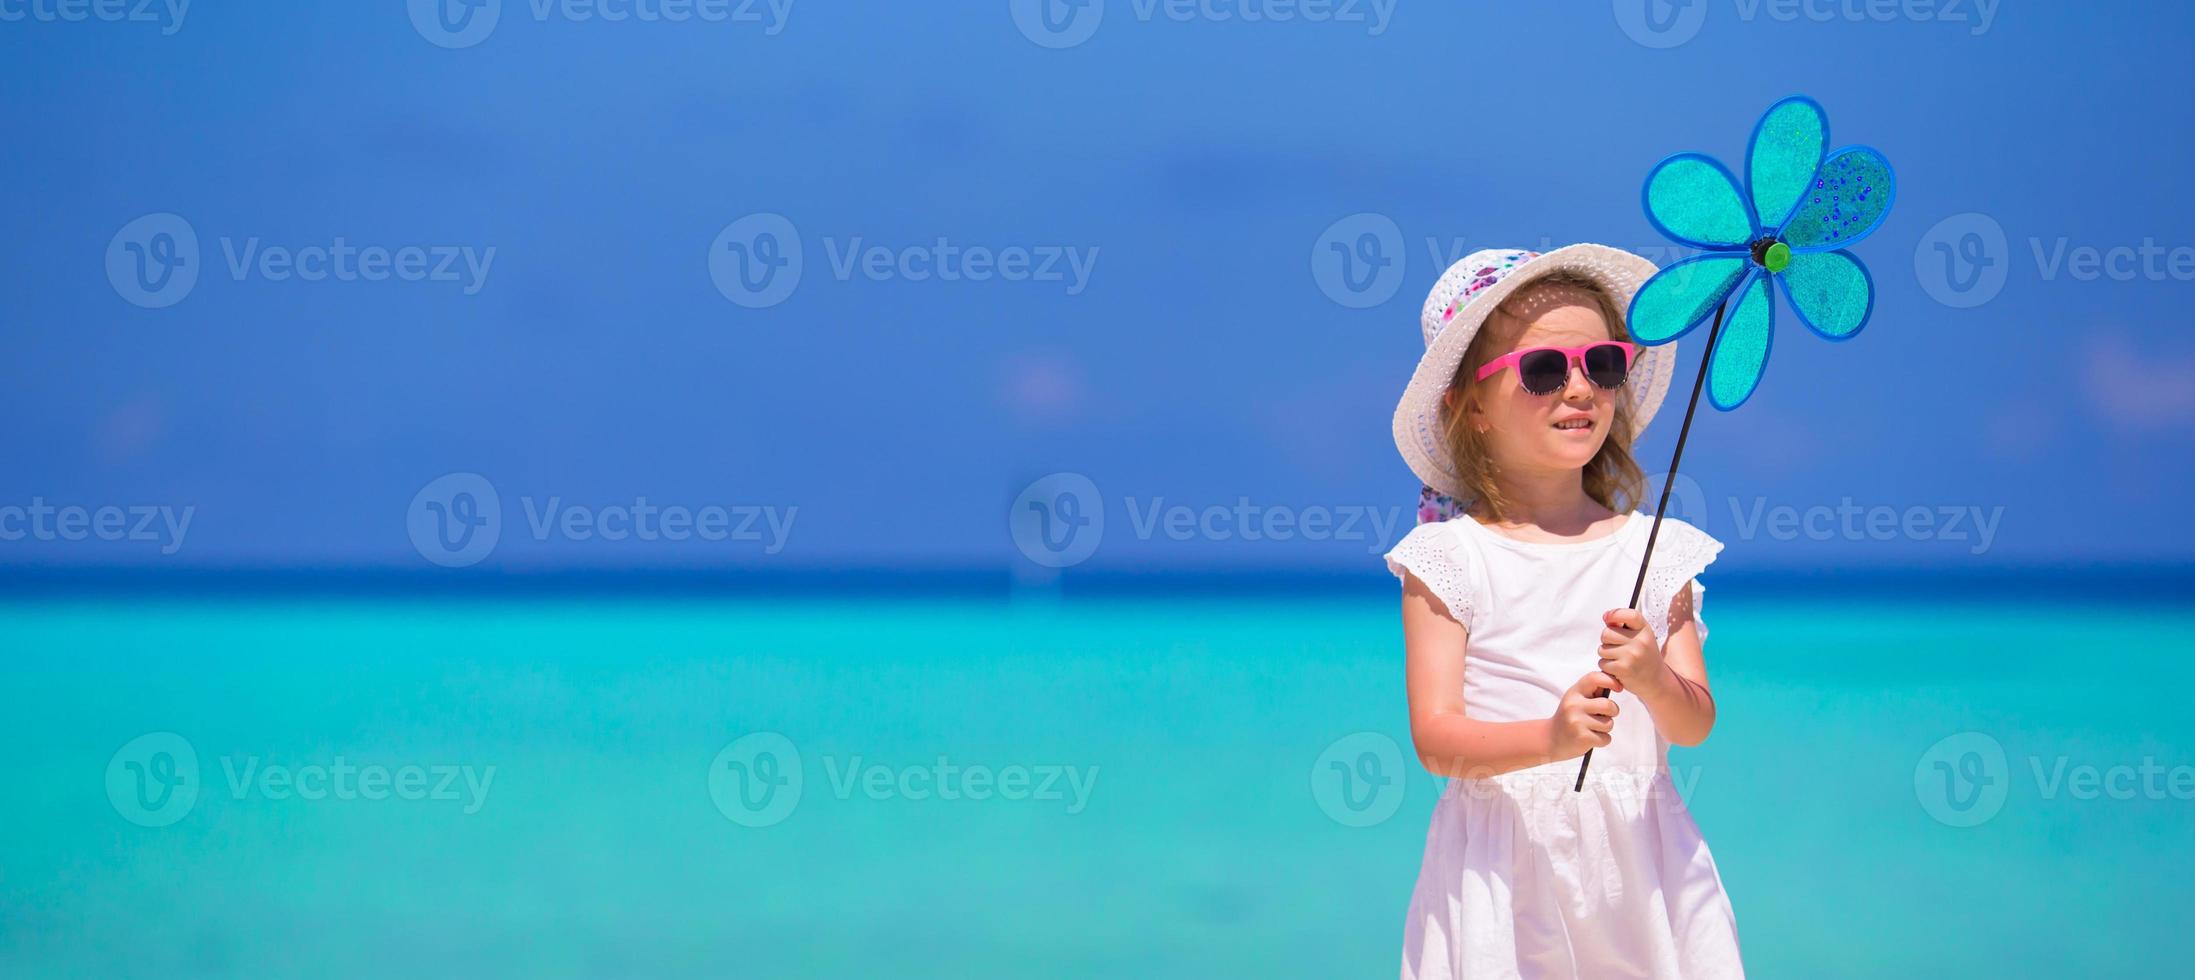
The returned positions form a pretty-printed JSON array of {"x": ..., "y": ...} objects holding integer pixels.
[
  {"x": 1605, "y": 365},
  {"x": 1543, "y": 371}
]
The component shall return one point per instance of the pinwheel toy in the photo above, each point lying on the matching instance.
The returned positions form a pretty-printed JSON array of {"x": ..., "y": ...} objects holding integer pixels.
[{"x": 1801, "y": 203}]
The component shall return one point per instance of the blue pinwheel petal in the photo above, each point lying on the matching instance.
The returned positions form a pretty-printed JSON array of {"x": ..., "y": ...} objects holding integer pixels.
[
  {"x": 1831, "y": 292},
  {"x": 1848, "y": 199},
  {"x": 1680, "y": 296},
  {"x": 1741, "y": 350},
  {"x": 1787, "y": 150},
  {"x": 1693, "y": 199}
]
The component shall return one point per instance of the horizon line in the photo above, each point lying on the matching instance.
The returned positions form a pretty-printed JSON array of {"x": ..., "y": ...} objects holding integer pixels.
[{"x": 2134, "y": 580}]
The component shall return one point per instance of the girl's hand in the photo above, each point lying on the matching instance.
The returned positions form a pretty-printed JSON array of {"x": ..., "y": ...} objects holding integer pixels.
[
  {"x": 1630, "y": 653},
  {"x": 1583, "y": 721}
]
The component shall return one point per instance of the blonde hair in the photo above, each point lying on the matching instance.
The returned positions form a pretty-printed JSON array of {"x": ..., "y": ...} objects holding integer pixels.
[{"x": 1612, "y": 477}]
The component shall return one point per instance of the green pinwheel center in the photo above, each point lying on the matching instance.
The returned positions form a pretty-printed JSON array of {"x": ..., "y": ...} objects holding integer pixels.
[{"x": 1771, "y": 254}]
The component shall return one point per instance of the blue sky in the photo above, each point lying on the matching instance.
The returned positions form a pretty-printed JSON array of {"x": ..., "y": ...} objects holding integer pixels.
[{"x": 1147, "y": 192}]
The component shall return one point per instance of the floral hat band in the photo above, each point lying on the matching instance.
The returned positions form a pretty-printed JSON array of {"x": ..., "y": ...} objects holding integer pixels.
[{"x": 1469, "y": 278}]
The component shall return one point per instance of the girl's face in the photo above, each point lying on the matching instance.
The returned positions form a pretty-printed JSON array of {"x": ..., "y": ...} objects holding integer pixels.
[{"x": 1558, "y": 431}]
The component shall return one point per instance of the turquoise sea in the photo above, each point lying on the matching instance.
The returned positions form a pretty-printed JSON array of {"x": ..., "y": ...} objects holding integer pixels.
[{"x": 569, "y": 787}]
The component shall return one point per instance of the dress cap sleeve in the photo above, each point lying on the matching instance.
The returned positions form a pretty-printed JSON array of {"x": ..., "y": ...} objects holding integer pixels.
[
  {"x": 1445, "y": 562},
  {"x": 1681, "y": 553}
]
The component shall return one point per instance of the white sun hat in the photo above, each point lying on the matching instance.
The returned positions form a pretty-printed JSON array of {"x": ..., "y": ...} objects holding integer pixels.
[{"x": 1456, "y": 309}]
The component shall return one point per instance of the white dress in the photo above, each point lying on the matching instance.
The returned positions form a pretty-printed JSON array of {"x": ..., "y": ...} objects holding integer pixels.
[{"x": 1521, "y": 877}]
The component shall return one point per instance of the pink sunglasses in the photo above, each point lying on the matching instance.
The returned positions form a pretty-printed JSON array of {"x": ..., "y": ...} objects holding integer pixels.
[{"x": 1544, "y": 370}]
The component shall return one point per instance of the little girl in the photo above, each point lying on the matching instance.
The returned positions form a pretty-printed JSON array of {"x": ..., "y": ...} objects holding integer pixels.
[{"x": 1520, "y": 421}]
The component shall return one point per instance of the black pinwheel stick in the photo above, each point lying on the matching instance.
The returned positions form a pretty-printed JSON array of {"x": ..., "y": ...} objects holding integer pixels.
[{"x": 1661, "y": 508}]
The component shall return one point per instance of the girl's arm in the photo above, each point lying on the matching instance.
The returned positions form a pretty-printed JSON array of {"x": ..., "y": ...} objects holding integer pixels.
[
  {"x": 1451, "y": 744},
  {"x": 1674, "y": 683}
]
